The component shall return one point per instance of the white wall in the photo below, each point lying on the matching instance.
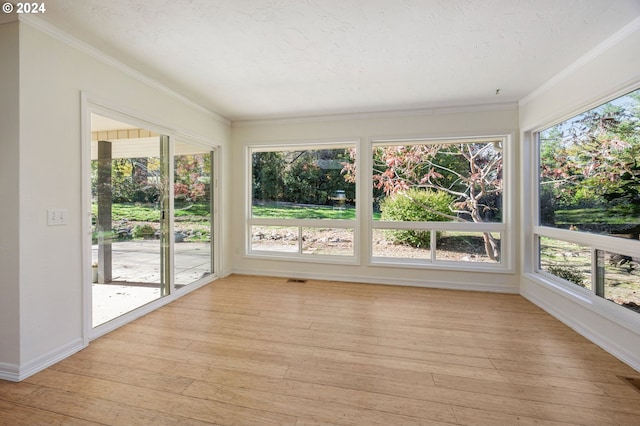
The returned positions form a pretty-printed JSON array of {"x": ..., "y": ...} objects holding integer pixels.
[
  {"x": 9, "y": 199},
  {"x": 613, "y": 68},
  {"x": 436, "y": 123},
  {"x": 52, "y": 76}
]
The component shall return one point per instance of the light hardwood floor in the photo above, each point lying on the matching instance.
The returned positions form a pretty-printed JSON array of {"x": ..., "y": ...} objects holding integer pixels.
[{"x": 261, "y": 351}]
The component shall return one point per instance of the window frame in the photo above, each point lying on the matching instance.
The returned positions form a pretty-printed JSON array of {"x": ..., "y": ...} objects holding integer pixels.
[
  {"x": 300, "y": 224},
  {"x": 504, "y": 228},
  {"x": 595, "y": 242},
  {"x": 91, "y": 104}
]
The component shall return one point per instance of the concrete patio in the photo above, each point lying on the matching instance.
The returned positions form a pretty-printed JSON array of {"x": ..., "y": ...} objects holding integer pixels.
[{"x": 136, "y": 275}]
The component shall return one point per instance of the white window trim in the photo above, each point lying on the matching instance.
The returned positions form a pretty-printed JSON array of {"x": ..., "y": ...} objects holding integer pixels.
[
  {"x": 507, "y": 243},
  {"x": 250, "y": 221},
  {"x": 531, "y": 217},
  {"x": 364, "y": 224}
]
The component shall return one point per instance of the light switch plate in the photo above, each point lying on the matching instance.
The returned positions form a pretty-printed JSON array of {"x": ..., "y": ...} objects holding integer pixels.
[{"x": 56, "y": 217}]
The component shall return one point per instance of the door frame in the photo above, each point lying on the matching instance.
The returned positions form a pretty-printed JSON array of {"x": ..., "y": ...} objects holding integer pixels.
[{"x": 94, "y": 105}]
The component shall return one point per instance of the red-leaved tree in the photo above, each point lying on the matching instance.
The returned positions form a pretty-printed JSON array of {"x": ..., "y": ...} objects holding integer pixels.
[{"x": 470, "y": 171}]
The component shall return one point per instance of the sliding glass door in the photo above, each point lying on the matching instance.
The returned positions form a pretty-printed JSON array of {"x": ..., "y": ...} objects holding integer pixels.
[
  {"x": 192, "y": 204},
  {"x": 151, "y": 204},
  {"x": 128, "y": 185}
]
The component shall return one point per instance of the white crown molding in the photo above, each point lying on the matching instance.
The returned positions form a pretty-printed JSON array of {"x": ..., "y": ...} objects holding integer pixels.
[
  {"x": 502, "y": 106},
  {"x": 80, "y": 45},
  {"x": 616, "y": 38}
]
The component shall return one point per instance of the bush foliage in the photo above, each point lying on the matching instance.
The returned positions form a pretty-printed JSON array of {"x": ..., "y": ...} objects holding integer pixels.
[
  {"x": 415, "y": 205},
  {"x": 568, "y": 273},
  {"x": 143, "y": 231}
]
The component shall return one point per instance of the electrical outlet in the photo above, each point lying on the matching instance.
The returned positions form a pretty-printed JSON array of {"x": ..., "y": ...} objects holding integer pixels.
[{"x": 56, "y": 217}]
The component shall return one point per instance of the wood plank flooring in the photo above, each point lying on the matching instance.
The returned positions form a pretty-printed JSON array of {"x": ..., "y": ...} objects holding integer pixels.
[{"x": 263, "y": 351}]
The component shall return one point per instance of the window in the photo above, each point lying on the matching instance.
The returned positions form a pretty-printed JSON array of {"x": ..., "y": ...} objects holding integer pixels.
[
  {"x": 303, "y": 201},
  {"x": 439, "y": 202},
  {"x": 589, "y": 200}
]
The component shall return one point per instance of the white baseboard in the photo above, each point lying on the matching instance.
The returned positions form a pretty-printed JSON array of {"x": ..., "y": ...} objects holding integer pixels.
[
  {"x": 15, "y": 373},
  {"x": 600, "y": 328},
  {"x": 452, "y": 285},
  {"x": 10, "y": 372}
]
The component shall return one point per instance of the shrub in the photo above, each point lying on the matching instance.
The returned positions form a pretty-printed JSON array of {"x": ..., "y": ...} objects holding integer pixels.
[
  {"x": 568, "y": 273},
  {"x": 415, "y": 205},
  {"x": 143, "y": 231}
]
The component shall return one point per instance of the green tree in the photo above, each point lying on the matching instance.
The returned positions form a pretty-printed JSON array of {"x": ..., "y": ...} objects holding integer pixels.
[
  {"x": 314, "y": 176},
  {"x": 303, "y": 179},
  {"x": 132, "y": 180},
  {"x": 267, "y": 173},
  {"x": 594, "y": 159}
]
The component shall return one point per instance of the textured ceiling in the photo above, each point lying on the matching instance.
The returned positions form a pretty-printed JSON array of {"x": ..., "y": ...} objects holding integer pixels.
[{"x": 249, "y": 59}]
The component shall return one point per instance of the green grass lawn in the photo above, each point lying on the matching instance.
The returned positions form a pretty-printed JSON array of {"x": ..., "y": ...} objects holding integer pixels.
[
  {"x": 617, "y": 215},
  {"x": 306, "y": 212},
  {"x": 151, "y": 213},
  {"x": 137, "y": 212}
]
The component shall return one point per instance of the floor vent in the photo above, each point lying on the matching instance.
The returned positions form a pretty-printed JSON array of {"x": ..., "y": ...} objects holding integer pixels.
[
  {"x": 634, "y": 382},
  {"x": 296, "y": 280}
]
